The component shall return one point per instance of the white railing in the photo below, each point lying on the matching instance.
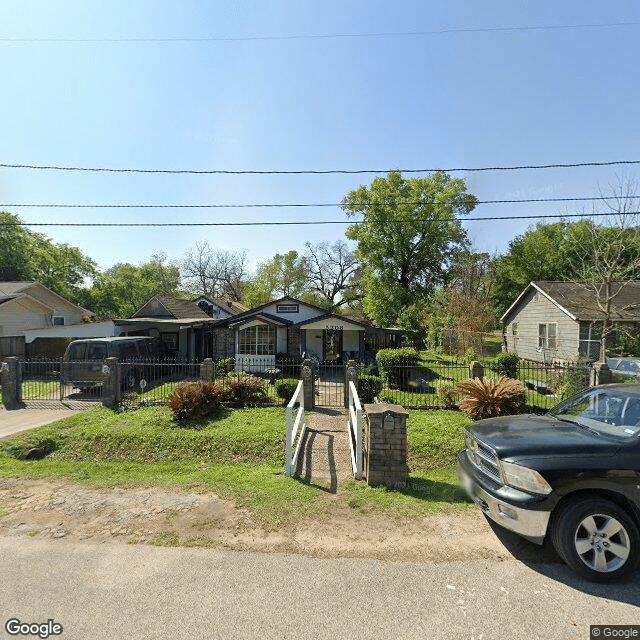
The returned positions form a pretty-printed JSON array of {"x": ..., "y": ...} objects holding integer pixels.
[
  {"x": 295, "y": 430},
  {"x": 354, "y": 430}
]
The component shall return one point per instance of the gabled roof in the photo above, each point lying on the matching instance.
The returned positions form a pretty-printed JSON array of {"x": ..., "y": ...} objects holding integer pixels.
[
  {"x": 235, "y": 321},
  {"x": 579, "y": 300},
  {"x": 278, "y": 301},
  {"x": 230, "y": 306},
  {"x": 329, "y": 314},
  {"x": 9, "y": 290},
  {"x": 177, "y": 308}
]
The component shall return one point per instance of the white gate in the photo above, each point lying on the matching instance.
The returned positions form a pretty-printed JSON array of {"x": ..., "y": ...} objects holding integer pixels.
[{"x": 296, "y": 430}]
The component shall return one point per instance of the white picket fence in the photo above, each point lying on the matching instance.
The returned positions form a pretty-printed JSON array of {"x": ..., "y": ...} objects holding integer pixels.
[
  {"x": 354, "y": 431},
  {"x": 296, "y": 430}
]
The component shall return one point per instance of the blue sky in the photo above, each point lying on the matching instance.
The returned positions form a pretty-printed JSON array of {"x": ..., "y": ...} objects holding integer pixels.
[{"x": 462, "y": 99}]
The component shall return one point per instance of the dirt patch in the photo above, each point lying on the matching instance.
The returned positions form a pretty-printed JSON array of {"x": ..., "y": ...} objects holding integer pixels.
[{"x": 63, "y": 510}]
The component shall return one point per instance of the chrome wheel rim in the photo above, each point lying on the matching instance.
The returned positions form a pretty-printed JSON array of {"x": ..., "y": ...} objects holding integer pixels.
[{"x": 602, "y": 543}]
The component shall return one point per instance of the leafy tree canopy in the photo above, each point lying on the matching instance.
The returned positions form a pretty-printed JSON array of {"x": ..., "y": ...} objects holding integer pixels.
[
  {"x": 410, "y": 233},
  {"x": 29, "y": 255}
]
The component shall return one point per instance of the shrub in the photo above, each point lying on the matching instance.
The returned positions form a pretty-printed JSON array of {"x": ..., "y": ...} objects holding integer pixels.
[
  {"x": 221, "y": 367},
  {"x": 470, "y": 355},
  {"x": 486, "y": 398},
  {"x": 395, "y": 365},
  {"x": 506, "y": 364},
  {"x": 245, "y": 388},
  {"x": 449, "y": 395},
  {"x": 568, "y": 383},
  {"x": 286, "y": 387},
  {"x": 196, "y": 400},
  {"x": 369, "y": 387}
]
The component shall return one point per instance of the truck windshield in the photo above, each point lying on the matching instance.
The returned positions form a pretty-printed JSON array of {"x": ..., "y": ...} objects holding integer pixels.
[{"x": 605, "y": 411}]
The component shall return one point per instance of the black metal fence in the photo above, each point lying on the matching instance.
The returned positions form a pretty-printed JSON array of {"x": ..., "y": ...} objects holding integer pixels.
[
  {"x": 258, "y": 382},
  {"x": 433, "y": 383}
]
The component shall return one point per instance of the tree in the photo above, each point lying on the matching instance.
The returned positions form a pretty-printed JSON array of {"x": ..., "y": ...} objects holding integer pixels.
[
  {"x": 215, "y": 273},
  {"x": 410, "y": 233},
  {"x": 29, "y": 255},
  {"x": 331, "y": 273},
  {"x": 122, "y": 289},
  {"x": 610, "y": 256},
  {"x": 284, "y": 275}
]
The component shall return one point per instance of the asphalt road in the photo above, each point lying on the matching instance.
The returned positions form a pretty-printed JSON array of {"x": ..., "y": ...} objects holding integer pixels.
[{"x": 115, "y": 591}]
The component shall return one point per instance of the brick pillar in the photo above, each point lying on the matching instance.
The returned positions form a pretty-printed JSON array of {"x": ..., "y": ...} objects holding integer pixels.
[
  {"x": 111, "y": 384},
  {"x": 308, "y": 375},
  {"x": 206, "y": 370},
  {"x": 600, "y": 374},
  {"x": 350, "y": 375},
  {"x": 476, "y": 370},
  {"x": 385, "y": 454},
  {"x": 11, "y": 378}
]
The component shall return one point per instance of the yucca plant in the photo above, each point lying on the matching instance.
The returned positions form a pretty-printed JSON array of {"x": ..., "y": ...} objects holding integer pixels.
[{"x": 484, "y": 398}]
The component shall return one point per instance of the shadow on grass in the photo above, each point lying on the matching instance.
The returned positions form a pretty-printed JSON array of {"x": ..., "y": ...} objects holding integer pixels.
[
  {"x": 204, "y": 423},
  {"x": 434, "y": 490}
]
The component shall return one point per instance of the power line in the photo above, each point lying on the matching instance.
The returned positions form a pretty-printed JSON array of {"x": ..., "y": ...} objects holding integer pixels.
[
  {"x": 320, "y": 36},
  {"x": 299, "y": 204},
  {"x": 288, "y": 223},
  {"x": 313, "y": 171}
]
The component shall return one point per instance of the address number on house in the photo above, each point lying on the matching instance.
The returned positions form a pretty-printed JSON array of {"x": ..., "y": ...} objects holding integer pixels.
[{"x": 335, "y": 327}]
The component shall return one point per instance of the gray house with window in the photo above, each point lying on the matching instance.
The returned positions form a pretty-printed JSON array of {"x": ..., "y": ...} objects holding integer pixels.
[{"x": 562, "y": 321}]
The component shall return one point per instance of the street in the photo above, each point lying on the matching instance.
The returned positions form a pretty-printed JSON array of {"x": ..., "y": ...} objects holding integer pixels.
[{"x": 116, "y": 591}]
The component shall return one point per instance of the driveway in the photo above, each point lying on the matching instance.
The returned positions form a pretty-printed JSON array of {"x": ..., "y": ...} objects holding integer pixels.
[{"x": 16, "y": 420}]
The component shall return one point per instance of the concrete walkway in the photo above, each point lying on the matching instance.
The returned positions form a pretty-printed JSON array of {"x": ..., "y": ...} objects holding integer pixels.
[
  {"x": 325, "y": 457},
  {"x": 17, "y": 420}
]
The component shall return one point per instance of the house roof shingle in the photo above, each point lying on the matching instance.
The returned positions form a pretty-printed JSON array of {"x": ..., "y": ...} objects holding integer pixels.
[{"x": 580, "y": 299}]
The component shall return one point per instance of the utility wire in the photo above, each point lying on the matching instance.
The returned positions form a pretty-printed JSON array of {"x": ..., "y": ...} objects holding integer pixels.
[
  {"x": 289, "y": 223},
  {"x": 314, "y": 172},
  {"x": 299, "y": 204},
  {"x": 322, "y": 36}
]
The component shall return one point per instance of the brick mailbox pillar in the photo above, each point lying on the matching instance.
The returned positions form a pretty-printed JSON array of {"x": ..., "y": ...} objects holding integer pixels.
[
  {"x": 206, "y": 370},
  {"x": 385, "y": 445},
  {"x": 11, "y": 378},
  {"x": 600, "y": 374},
  {"x": 111, "y": 382},
  {"x": 476, "y": 370},
  {"x": 350, "y": 375}
]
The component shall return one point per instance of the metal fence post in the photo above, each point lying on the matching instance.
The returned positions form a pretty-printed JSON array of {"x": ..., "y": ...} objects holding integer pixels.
[{"x": 11, "y": 382}]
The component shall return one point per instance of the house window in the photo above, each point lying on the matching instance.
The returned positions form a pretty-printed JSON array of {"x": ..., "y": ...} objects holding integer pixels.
[
  {"x": 257, "y": 341},
  {"x": 170, "y": 340},
  {"x": 287, "y": 308},
  {"x": 514, "y": 329},
  {"x": 58, "y": 320},
  {"x": 547, "y": 335}
]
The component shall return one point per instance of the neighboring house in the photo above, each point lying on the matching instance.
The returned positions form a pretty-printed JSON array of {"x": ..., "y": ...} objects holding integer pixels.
[
  {"x": 219, "y": 308},
  {"x": 561, "y": 321},
  {"x": 30, "y": 312},
  {"x": 181, "y": 324},
  {"x": 288, "y": 326}
]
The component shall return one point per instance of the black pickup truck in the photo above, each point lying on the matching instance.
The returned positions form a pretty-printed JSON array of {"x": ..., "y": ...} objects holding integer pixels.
[{"x": 572, "y": 475}]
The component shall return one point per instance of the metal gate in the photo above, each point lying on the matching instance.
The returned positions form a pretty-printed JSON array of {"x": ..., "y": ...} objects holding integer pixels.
[
  {"x": 43, "y": 387},
  {"x": 329, "y": 385}
]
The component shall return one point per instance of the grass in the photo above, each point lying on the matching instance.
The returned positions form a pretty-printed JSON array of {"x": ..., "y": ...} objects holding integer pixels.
[
  {"x": 32, "y": 389},
  {"x": 239, "y": 455}
]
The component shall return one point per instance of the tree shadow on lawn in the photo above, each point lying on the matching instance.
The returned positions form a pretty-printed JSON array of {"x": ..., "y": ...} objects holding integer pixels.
[{"x": 434, "y": 490}]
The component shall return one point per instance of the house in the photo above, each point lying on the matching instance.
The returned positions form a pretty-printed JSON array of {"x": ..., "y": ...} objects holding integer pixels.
[
  {"x": 219, "y": 308},
  {"x": 287, "y": 326},
  {"x": 561, "y": 321},
  {"x": 30, "y": 313}
]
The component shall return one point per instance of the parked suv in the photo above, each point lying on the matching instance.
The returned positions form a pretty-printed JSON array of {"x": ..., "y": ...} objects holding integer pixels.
[
  {"x": 572, "y": 475},
  {"x": 84, "y": 359},
  {"x": 625, "y": 367}
]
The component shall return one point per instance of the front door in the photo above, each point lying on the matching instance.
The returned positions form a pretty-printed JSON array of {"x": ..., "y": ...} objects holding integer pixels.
[{"x": 331, "y": 345}]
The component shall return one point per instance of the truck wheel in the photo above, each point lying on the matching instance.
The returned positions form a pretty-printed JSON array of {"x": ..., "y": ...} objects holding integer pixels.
[{"x": 596, "y": 538}]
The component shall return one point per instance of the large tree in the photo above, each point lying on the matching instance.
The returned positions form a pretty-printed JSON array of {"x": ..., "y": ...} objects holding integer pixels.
[
  {"x": 332, "y": 274},
  {"x": 283, "y": 275},
  {"x": 215, "y": 273},
  {"x": 410, "y": 232},
  {"x": 29, "y": 255},
  {"x": 122, "y": 289}
]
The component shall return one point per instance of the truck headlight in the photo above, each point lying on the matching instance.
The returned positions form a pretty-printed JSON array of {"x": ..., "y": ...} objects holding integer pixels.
[{"x": 523, "y": 478}]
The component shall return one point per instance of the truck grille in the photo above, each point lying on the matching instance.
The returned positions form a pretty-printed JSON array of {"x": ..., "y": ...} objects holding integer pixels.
[{"x": 483, "y": 458}]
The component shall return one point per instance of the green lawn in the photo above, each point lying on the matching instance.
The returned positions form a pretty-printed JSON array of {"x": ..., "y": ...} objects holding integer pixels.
[
  {"x": 32, "y": 389},
  {"x": 239, "y": 455}
]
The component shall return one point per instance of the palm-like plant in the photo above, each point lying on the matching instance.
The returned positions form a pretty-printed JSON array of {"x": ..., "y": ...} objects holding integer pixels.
[{"x": 486, "y": 398}]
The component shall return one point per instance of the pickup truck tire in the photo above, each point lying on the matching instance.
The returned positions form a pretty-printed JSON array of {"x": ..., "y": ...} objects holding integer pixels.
[{"x": 596, "y": 538}]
